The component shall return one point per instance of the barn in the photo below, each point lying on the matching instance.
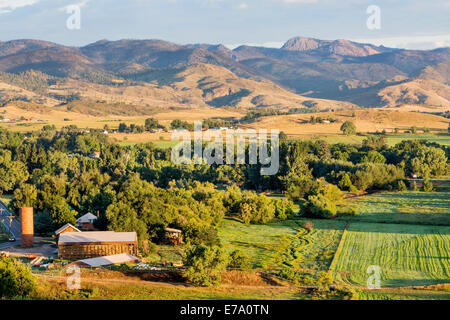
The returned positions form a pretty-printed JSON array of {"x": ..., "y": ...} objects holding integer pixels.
[
  {"x": 82, "y": 245},
  {"x": 66, "y": 228}
]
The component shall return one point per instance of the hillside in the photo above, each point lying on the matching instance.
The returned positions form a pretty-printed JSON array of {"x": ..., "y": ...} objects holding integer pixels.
[
  {"x": 420, "y": 91},
  {"x": 438, "y": 72},
  {"x": 199, "y": 85},
  {"x": 158, "y": 73}
]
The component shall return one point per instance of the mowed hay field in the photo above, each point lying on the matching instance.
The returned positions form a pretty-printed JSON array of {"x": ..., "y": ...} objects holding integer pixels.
[
  {"x": 284, "y": 243},
  {"x": 408, "y": 255},
  {"x": 407, "y": 207}
]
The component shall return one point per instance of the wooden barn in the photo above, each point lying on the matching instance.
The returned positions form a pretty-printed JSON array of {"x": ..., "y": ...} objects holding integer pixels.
[
  {"x": 82, "y": 245},
  {"x": 67, "y": 228}
]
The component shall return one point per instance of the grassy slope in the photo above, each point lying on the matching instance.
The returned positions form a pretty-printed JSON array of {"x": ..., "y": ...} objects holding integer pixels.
[
  {"x": 406, "y": 254},
  {"x": 57, "y": 289}
]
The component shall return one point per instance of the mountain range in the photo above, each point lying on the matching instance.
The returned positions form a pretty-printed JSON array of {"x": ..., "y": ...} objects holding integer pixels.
[{"x": 304, "y": 72}]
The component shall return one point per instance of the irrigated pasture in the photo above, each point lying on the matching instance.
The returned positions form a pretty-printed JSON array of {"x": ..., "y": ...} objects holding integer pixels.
[
  {"x": 408, "y": 255},
  {"x": 284, "y": 243},
  {"x": 406, "y": 207}
]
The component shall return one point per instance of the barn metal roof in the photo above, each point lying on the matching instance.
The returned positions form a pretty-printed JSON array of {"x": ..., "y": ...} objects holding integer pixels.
[
  {"x": 108, "y": 260},
  {"x": 97, "y": 236},
  {"x": 87, "y": 218}
]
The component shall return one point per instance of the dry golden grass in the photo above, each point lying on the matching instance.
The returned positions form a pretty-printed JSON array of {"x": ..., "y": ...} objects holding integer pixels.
[{"x": 365, "y": 120}]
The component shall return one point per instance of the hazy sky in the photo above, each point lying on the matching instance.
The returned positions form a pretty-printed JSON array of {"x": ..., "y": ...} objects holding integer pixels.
[{"x": 415, "y": 24}]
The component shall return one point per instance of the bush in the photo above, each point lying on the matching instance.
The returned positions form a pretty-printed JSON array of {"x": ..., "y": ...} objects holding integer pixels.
[
  {"x": 324, "y": 280},
  {"x": 348, "y": 128},
  {"x": 238, "y": 260},
  {"x": 16, "y": 280},
  {"x": 283, "y": 209},
  {"x": 257, "y": 209},
  {"x": 297, "y": 278},
  {"x": 428, "y": 186},
  {"x": 320, "y": 207},
  {"x": 351, "y": 212},
  {"x": 400, "y": 186},
  {"x": 204, "y": 265}
]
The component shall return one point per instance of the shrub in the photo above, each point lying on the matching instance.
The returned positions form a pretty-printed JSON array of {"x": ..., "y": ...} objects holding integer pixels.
[
  {"x": 238, "y": 260},
  {"x": 324, "y": 280},
  {"x": 204, "y": 265},
  {"x": 16, "y": 280},
  {"x": 347, "y": 212},
  {"x": 348, "y": 128},
  {"x": 400, "y": 186},
  {"x": 320, "y": 206},
  {"x": 428, "y": 186},
  {"x": 283, "y": 209}
]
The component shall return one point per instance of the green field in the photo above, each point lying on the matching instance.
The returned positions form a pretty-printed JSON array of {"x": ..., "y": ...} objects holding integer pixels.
[
  {"x": 405, "y": 294},
  {"x": 406, "y": 254},
  {"x": 284, "y": 243},
  {"x": 408, "y": 207},
  {"x": 158, "y": 144},
  {"x": 441, "y": 138},
  {"x": 391, "y": 139}
]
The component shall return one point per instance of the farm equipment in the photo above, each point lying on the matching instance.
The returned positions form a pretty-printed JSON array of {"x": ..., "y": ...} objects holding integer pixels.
[{"x": 31, "y": 256}]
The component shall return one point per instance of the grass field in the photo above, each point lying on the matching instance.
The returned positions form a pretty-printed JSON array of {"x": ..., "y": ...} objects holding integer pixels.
[
  {"x": 57, "y": 289},
  {"x": 408, "y": 207},
  {"x": 441, "y": 138},
  {"x": 406, "y": 254},
  {"x": 405, "y": 294},
  {"x": 391, "y": 139},
  {"x": 284, "y": 243}
]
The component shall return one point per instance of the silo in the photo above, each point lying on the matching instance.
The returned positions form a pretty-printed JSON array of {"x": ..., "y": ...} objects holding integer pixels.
[{"x": 26, "y": 218}]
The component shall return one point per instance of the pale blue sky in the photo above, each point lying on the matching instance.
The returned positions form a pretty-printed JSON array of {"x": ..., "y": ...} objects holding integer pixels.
[{"x": 416, "y": 24}]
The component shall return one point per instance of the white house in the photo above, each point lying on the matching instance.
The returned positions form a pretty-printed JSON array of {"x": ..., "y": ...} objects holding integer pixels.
[{"x": 86, "y": 222}]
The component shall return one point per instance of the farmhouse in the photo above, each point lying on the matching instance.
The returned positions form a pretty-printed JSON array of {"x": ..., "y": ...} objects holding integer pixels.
[
  {"x": 86, "y": 222},
  {"x": 82, "y": 245}
]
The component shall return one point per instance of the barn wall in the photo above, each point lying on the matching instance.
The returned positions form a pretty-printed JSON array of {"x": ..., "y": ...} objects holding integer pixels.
[{"x": 92, "y": 250}]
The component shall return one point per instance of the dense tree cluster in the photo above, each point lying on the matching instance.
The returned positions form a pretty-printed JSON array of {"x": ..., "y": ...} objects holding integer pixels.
[{"x": 138, "y": 188}]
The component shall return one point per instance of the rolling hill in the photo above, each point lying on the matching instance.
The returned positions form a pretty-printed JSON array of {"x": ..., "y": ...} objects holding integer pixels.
[{"x": 328, "y": 73}]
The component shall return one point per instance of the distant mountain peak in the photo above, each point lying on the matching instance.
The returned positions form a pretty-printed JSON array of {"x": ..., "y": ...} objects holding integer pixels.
[
  {"x": 341, "y": 47},
  {"x": 301, "y": 44}
]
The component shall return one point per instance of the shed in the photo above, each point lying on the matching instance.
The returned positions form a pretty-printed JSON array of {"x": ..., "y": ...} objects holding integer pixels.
[
  {"x": 82, "y": 245},
  {"x": 172, "y": 236}
]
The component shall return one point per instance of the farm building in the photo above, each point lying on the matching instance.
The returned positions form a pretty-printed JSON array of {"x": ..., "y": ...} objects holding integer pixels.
[
  {"x": 67, "y": 228},
  {"x": 82, "y": 245},
  {"x": 86, "y": 222},
  {"x": 106, "y": 261},
  {"x": 172, "y": 236}
]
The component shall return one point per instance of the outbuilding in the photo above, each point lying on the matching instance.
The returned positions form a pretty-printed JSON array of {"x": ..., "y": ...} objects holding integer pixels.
[
  {"x": 172, "y": 236},
  {"x": 83, "y": 245},
  {"x": 86, "y": 222}
]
